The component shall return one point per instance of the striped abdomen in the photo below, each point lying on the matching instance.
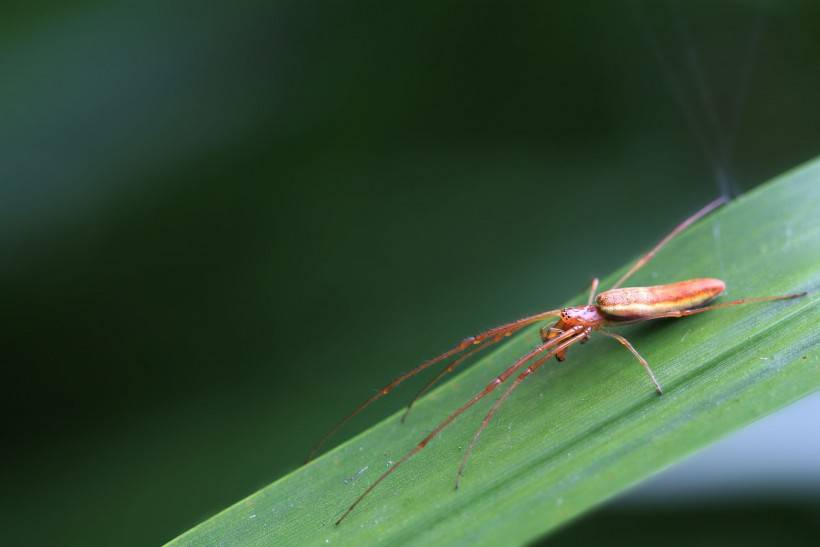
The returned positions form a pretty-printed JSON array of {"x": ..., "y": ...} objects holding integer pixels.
[{"x": 636, "y": 302}]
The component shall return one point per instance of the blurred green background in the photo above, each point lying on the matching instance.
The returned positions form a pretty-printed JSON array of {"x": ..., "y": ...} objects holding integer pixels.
[{"x": 223, "y": 225}]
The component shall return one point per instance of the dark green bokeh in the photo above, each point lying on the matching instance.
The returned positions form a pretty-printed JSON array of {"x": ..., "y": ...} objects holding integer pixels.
[{"x": 224, "y": 226}]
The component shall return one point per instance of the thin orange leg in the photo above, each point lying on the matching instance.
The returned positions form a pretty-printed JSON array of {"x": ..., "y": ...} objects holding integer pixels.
[
  {"x": 625, "y": 343},
  {"x": 592, "y": 290},
  {"x": 695, "y": 311},
  {"x": 501, "y": 378},
  {"x": 532, "y": 368},
  {"x": 450, "y": 368},
  {"x": 463, "y": 345},
  {"x": 548, "y": 333},
  {"x": 681, "y": 227}
]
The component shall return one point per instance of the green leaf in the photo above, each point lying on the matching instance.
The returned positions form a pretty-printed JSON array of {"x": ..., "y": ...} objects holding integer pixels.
[{"x": 578, "y": 432}]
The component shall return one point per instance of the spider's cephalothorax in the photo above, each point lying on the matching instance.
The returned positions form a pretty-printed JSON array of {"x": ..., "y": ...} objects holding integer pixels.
[
  {"x": 584, "y": 316},
  {"x": 581, "y": 316}
]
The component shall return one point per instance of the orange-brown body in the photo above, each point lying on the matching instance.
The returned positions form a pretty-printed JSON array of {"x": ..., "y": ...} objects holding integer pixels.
[
  {"x": 638, "y": 302},
  {"x": 631, "y": 303}
]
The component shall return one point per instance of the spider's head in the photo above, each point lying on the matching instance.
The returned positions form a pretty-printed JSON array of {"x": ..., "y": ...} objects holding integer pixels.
[{"x": 585, "y": 316}]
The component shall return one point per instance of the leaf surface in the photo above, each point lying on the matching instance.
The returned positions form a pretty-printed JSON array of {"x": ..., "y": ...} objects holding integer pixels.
[{"x": 582, "y": 431}]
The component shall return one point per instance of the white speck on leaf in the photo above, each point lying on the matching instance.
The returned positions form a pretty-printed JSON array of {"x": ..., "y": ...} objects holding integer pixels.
[
  {"x": 252, "y": 516},
  {"x": 356, "y": 475}
]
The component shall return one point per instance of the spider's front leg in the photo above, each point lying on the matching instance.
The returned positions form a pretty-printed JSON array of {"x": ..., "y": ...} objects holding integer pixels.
[{"x": 549, "y": 333}]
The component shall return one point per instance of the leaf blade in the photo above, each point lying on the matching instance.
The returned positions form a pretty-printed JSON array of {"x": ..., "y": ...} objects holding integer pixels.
[{"x": 577, "y": 433}]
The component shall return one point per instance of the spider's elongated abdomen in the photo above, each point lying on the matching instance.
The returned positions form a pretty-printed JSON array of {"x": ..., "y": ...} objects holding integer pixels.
[{"x": 637, "y": 302}]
